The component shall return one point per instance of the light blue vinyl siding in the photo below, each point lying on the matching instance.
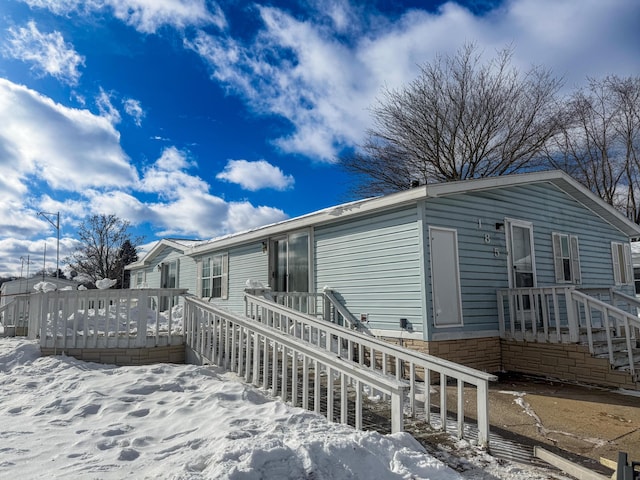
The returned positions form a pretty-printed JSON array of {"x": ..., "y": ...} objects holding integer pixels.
[
  {"x": 475, "y": 215},
  {"x": 187, "y": 273},
  {"x": 373, "y": 264},
  {"x": 246, "y": 262}
]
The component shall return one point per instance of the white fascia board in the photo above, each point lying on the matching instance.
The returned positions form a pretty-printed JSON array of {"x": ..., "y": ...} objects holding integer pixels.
[
  {"x": 321, "y": 217},
  {"x": 598, "y": 206},
  {"x": 157, "y": 248},
  {"x": 378, "y": 204},
  {"x": 559, "y": 179}
]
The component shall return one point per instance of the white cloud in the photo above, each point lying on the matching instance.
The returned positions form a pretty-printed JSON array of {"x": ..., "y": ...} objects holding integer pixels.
[
  {"x": 48, "y": 52},
  {"x": 133, "y": 108},
  {"x": 172, "y": 160},
  {"x": 186, "y": 207},
  {"x": 67, "y": 148},
  {"x": 323, "y": 71},
  {"x": 106, "y": 108},
  {"x": 254, "y": 176},
  {"x": 146, "y": 16},
  {"x": 244, "y": 216},
  {"x": 167, "y": 176}
]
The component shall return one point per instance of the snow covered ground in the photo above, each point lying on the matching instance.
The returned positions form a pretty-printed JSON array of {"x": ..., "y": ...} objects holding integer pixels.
[{"x": 64, "y": 418}]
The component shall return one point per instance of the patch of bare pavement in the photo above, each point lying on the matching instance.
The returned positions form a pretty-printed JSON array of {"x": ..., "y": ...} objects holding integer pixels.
[
  {"x": 587, "y": 421},
  {"x": 580, "y": 423}
]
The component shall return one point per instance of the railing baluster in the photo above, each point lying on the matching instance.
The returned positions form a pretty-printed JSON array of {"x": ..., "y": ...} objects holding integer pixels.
[
  {"x": 305, "y": 383},
  {"x": 274, "y": 371},
  {"x": 556, "y": 315},
  {"x": 316, "y": 385},
  {"x": 284, "y": 376},
  {"x": 412, "y": 389},
  {"x": 330, "y": 393},
  {"x": 627, "y": 330},
  {"x": 265, "y": 364},
  {"x": 294, "y": 378},
  {"x": 588, "y": 320},
  {"x": 460, "y": 408},
  {"x": 344, "y": 399},
  {"x": 358, "y": 404},
  {"x": 443, "y": 401},
  {"x": 256, "y": 359},
  {"x": 247, "y": 361}
]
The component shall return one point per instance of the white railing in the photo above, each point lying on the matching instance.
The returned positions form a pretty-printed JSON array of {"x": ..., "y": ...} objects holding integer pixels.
[
  {"x": 366, "y": 352},
  {"x": 560, "y": 314},
  {"x": 541, "y": 313},
  {"x": 323, "y": 305},
  {"x": 65, "y": 319},
  {"x": 275, "y": 360},
  {"x": 15, "y": 313}
]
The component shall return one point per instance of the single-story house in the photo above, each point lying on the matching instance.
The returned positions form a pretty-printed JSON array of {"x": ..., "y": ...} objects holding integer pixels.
[{"x": 421, "y": 267}]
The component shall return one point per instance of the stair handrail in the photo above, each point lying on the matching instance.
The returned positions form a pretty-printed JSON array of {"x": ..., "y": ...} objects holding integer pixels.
[
  {"x": 628, "y": 320},
  {"x": 353, "y": 322}
]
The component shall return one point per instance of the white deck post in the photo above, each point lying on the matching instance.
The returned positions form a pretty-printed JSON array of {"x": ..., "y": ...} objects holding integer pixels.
[
  {"x": 397, "y": 406},
  {"x": 482, "y": 395}
]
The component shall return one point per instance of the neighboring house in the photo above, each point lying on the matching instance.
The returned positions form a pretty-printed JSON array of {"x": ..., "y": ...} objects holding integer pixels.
[
  {"x": 421, "y": 267},
  {"x": 11, "y": 290},
  {"x": 166, "y": 265}
]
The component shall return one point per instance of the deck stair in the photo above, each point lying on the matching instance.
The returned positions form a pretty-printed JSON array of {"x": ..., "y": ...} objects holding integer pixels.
[
  {"x": 605, "y": 321},
  {"x": 620, "y": 352}
]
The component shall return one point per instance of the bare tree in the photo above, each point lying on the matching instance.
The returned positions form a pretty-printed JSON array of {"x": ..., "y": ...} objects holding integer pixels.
[
  {"x": 103, "y": 238},
  {"x": 600, "y": 147},
  {"x": 459, "y": 119}
]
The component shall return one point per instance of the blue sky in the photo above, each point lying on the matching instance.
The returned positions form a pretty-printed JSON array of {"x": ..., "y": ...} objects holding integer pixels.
[{"x": 196, "y": 118}]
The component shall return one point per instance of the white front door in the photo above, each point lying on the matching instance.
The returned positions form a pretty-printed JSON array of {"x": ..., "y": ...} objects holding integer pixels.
[
  {"x": 445, "y": 277},
  {"x": 522, "y": 265}
]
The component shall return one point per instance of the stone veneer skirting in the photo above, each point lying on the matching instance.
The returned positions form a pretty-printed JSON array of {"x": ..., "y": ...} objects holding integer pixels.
[
  {"x": 570, "y": 362},
  {"x": 123, "y": 356},
  {"x": 479, "y": 353}
]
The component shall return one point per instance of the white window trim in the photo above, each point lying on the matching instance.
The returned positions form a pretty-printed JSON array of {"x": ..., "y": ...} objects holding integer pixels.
[
  {"x": 617, "y": 268},
  {"x": 509, "y": 224},
  {"x": 143, "y": 283},
  {"x": 574, "y": 258},
  {"x": 224, "y": 294}
]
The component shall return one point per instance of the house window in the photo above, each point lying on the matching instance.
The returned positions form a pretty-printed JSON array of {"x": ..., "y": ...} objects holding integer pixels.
[
  {"x": 139, "y": 279},
  {"x": 566, "y": 258},
  {"x": 622, "y": 269},
  {"x": 213, "y": 276},
  {"x": 636, "y": 279}
]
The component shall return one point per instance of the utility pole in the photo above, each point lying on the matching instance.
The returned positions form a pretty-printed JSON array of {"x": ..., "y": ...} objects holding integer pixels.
[{"x": 56, "y": 225}]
